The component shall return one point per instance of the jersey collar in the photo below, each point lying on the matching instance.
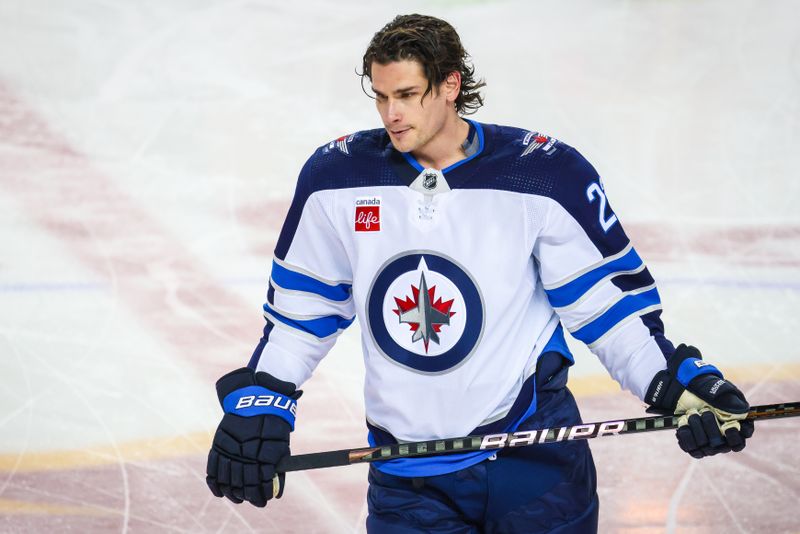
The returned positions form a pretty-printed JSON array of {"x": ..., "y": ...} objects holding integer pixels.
[
  {"x": 408, "y": 168},
  {"x": 469, "y": 147}
]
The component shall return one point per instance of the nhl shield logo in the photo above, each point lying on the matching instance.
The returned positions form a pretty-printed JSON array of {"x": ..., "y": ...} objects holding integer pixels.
[
  {"x": 425, "y": 312},
  {"x": 430, "y": 180}
]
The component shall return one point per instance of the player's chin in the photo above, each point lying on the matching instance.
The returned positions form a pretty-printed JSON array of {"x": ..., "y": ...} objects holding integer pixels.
[
  {"x": 400, "y": 148},
  {"x": 403, "y": 142}
]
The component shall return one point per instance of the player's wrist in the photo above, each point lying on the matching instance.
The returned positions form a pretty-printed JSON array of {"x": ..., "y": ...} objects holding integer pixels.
[
  {"x": 685, "y": 370},
  {"x": 663, "y": 393}
]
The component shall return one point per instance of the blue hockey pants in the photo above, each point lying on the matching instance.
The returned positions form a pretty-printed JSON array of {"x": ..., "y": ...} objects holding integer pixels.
[{"x": 541, "y": 488}]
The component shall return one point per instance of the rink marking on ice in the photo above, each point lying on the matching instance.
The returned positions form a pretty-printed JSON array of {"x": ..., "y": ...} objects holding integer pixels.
[
  {"x": 150, "y": 271},
  {"x": 116, "y": 238},
  {"x": 679, "y": 493},
  {"x": 196, "y": 302},
  {"x": 114, "y": 446},
  {"x": 677, "y": 496},
  {"x": 259, "y": 282},
  {"x": 750, "y": 245},
  {"x": 152, "y": 449},
  {"x": 108, "y": 511},
  {"x": 52, "y": 287},
  {"x": 134, "y": 451},
  {"x": 196, "y": 443},
  {"x": 766, "y": 378},
  {"x": 31, "y": 399},
  {"x": 18, "y": 507},
  {"x": 723, "y": 502}
]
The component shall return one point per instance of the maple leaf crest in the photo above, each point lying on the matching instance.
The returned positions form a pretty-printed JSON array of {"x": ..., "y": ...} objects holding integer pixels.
[{"x": 426, "y": 315}]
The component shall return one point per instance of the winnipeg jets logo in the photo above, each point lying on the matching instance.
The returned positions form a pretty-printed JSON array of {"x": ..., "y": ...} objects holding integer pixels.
[
  {"x": 425, "y": 312},
  {"x": 425, "y": 316},
  {"x": 534, "y": 141},
  {"x": 341, "y": 143}
]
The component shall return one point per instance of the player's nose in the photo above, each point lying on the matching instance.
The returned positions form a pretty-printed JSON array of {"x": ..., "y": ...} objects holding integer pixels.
[{"x": 393, "y": 112}]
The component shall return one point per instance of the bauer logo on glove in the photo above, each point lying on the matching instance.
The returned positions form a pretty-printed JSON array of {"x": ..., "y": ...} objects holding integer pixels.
[
  {"x": 711, "y": 411},
  {"x": 258, "y": 400},
  {"x": 252, "y": 437}
]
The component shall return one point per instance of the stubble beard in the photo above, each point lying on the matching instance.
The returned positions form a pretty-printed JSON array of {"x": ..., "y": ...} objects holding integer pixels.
[
  {"x": 409, "y": 142},
  {"x": 412, "y": 141}
]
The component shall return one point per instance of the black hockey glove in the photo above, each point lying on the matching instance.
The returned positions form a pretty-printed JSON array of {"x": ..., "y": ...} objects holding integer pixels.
[
  {"x": 711, "y": 410},
  {"x": 252, "y": 437}
]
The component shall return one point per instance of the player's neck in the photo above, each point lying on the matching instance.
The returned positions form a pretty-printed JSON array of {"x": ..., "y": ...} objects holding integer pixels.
[{"x": 445, "y": 148}]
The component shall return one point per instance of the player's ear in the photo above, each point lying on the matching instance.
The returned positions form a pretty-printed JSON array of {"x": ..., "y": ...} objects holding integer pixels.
[{"x": 452, "y": 86}]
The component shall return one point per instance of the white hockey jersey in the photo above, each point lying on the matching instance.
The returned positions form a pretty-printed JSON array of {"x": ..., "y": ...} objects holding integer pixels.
[{"x": 459, "y": 279}]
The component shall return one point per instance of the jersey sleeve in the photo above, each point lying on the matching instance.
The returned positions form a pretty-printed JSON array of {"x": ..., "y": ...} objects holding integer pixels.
[
  {"x": 309, "y": 299},
  {"x": 596, "y": 281}
]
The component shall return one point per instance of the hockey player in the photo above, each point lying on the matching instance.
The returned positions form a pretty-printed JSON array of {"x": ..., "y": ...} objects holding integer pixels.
[{"x": 464, "y": 249}]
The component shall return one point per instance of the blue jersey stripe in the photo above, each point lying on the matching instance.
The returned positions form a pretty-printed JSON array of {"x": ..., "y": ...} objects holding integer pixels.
[
  {"x": 320, "y": 327},
  {"x": 558, "y": 344},
  {"x": 568, "y": 293},
  {"x": 619, "y": 311},
  {"x": 253, "y": 363},
  {"x": 292, "y": 280},
  {"x": 414, "y": 163}
]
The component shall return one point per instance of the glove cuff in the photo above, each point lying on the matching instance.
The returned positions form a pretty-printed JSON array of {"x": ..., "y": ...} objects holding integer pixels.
[
  {"x": 683, "y": 369},
  {"x": 663, "y": 392},
  {"x": 687, "y": 363},
  {"x": 257, "y": 400},
  {"x": 246, "y": 376},
  {"x": 247, "y": 393}
]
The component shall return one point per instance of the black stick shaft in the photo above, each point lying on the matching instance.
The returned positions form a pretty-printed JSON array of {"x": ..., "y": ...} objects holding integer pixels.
[{"x": 342, "y": 457}]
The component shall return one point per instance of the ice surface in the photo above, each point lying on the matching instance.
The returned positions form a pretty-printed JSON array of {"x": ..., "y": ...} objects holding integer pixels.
[{"x": 148, "y": 152}]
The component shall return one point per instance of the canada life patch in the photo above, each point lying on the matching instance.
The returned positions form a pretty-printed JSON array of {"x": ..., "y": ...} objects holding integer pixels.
[{"x": 368, "y": 214}]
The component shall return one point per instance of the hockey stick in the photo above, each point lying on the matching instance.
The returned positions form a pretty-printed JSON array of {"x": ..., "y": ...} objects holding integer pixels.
[{"x": 318, "y": 460}]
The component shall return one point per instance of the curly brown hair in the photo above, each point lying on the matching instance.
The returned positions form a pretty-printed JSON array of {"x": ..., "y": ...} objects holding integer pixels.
[{"x": 435, "y": 45}]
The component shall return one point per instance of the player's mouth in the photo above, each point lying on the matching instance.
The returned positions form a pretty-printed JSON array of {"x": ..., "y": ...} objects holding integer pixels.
[{"x": 399, "y": 132}]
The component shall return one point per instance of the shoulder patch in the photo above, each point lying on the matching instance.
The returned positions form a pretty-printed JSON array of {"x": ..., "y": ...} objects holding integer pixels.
[
  {"x": 534, "y": 141},
  {"x": 341, "y": 144}
]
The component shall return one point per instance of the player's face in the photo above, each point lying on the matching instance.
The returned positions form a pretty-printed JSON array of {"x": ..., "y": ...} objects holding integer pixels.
[{"x": 411, "y": 120}]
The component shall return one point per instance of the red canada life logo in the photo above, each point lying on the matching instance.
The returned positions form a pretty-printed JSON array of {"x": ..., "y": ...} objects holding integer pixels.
[{"x": 368, "y": 214}]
